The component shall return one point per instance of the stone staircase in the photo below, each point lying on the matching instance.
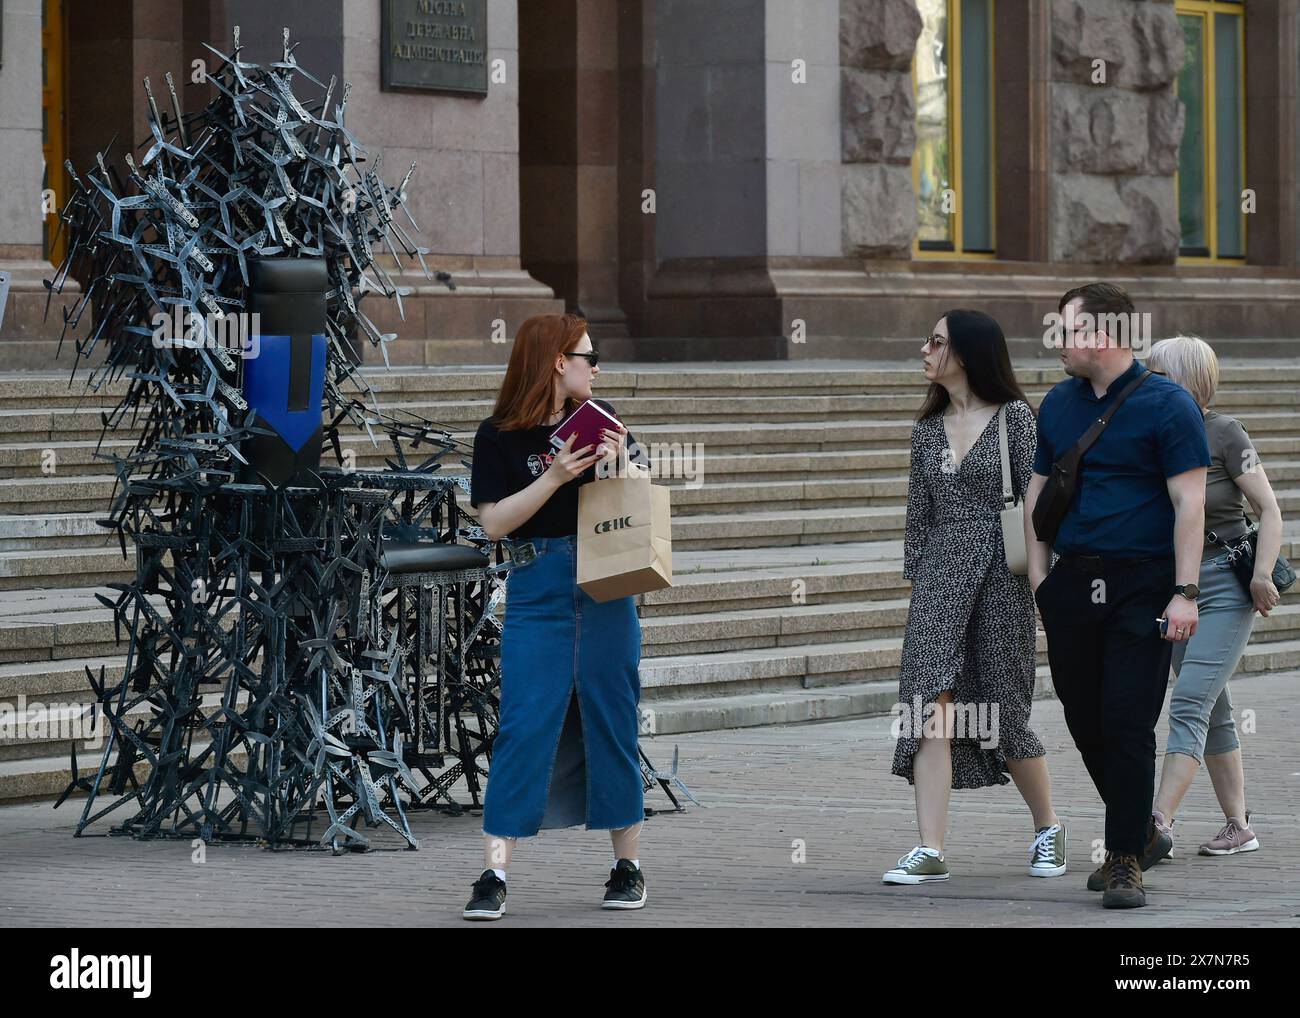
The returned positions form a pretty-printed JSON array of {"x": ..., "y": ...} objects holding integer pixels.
[{"x": 788, "y": 603}]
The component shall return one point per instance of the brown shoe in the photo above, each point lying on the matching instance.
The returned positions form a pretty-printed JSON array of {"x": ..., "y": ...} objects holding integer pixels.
[
  {"x": 1123, "y": 883},
  {"x": 1097, "y": 878},
  {"x": 1160, "y": 841}
]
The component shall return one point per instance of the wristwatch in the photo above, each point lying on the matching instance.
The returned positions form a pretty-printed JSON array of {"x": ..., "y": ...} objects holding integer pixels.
[{"x": 1188, "y": 590}]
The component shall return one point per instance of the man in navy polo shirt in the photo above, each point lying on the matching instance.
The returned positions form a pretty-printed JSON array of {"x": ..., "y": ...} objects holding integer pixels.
[{"x": 1130, "y": 548}]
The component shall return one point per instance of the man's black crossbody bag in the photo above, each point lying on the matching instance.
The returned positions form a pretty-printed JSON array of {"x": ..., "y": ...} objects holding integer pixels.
[{"x": 1054, "y": 500}]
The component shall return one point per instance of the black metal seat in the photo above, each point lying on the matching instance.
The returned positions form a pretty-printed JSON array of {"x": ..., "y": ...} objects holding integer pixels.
[{"x": 429, "y": 557}]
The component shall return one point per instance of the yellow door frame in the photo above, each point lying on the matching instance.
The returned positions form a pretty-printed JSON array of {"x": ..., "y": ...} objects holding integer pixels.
[
  {"x": 1205, "y": 10},
  {"x": 953, "y": 49},
  {"x": 54, "y": 120}
]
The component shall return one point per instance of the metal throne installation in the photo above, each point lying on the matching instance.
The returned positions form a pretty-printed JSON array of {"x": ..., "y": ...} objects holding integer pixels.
[{"x": 306, "y": 646}]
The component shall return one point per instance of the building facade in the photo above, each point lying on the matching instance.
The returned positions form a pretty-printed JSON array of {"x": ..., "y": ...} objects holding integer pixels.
[{"x": 739, "y": 178}]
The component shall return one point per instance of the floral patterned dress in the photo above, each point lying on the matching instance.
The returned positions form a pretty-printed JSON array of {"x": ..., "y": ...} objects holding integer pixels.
[{"x": 970, "y": 624}]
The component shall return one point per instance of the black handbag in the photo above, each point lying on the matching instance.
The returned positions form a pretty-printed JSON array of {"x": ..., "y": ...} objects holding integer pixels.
[
  {"x": 1054, "y": 500},
  {"x": 1241, "y": 558}
]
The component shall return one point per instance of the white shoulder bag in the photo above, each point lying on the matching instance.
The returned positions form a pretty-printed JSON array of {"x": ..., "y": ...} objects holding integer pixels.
[{"x": 1013, "y": 512}]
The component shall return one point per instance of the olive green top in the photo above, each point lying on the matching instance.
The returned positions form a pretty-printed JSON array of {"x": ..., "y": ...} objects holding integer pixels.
[{"x": 1231, "y": 454}]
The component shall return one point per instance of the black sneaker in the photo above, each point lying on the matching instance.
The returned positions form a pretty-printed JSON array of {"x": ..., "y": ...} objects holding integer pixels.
[
  {"x": 488, "y": 898},
  {"x": 626, "y": 886}
]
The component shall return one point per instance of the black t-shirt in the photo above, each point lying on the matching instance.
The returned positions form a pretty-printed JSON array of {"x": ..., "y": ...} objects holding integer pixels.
[{"x": 508, "y": 461}]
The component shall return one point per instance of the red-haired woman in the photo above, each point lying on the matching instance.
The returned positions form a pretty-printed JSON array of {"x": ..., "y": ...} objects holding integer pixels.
[{"x": 566, "y": 749}]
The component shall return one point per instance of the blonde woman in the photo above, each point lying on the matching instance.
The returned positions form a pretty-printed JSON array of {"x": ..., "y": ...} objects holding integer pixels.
[{"x": 1201, "y": 726}]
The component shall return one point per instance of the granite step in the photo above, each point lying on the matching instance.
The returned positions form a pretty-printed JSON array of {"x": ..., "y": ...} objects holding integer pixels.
[
  {"x": 693, "y": 493},
  {"x": 789, "y": 651},
  {"x": 72, "y": 550},
  {"x": 1261, "y": 410},
  {"x": 40, "y": 729},
  {"x": 689, "y": 636},
  {"x": 838, "y": 603},
  {"x": 679, "y": 378},
  {"x": 823, "y": 703},
  {"x": 736, "y": 689},
  {"x": 792, "y": 612},
  {"x": 38, "y": 565},
  {"x": 780, "y": 669},
  {"x": 29, "y": 460},
  {"x": 44, "y": 388}
]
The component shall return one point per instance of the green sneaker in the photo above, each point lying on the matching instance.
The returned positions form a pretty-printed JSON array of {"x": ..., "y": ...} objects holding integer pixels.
[
  {"x": 918, "y": 866},
  {"x": 1047, "y": 853}
]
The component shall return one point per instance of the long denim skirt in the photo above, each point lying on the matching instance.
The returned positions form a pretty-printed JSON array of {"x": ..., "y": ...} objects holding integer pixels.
[{"x": 566, "y": 749}]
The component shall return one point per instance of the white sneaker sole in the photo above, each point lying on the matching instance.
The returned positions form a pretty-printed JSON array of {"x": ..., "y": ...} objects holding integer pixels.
[
  {"x": 1047, "y": 871},
  {"x": 1249, "y": 846},
  {"x": 482, "y": 915},
  {"x": 624, "y": 905},
  {"x": 908, "y": 878}
]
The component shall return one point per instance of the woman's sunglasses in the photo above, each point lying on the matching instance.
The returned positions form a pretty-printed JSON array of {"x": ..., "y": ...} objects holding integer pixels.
[{"x": 592, "y": 358}]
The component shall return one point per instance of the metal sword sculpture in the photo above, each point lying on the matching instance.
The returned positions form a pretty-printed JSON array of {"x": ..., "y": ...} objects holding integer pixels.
[
  {"x": 295, "y": 646},
  {"x": 265, "y": 684}
]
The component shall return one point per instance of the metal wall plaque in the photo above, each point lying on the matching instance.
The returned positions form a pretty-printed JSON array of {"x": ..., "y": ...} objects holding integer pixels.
[{"x": 434, "y": 46}]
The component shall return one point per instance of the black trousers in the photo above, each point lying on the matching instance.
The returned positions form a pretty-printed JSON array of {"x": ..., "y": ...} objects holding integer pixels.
[{"x": 1110, "y": 667}]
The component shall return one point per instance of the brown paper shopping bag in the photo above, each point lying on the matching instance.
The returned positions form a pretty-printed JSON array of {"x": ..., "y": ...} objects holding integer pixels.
[{"x": 625, "y": 543}]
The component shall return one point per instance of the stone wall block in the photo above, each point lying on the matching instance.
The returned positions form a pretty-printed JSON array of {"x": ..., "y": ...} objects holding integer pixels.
[
  {"x": 1153, "y": 232},
  {"x": 878, "y": 210},
  {"x": 1097, "y": 130},
  {"x": 1089, "y": 220},
  {"x": 1166, "y": 121},
  {"x": 1139, "y": 40},
  {"x": 878, "y": 34},
  {"x": 878, "y": 116}
]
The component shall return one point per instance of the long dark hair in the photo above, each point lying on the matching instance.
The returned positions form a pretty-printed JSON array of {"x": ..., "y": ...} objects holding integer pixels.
[{"x": 977, "y": 340}]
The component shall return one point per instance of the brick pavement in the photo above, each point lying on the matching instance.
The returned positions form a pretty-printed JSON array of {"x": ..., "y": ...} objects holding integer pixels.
[{"x": 729, "y": 863}]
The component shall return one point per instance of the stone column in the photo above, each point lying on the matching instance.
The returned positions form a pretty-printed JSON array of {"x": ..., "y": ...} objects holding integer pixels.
[
  {"x": 568, "y": 111},
  {"x": 23, "y": 332},
  {"x": 802, "y": 54},
  {"x": 1116, "y": 126},
  {"x": 20, "y": 131},
  {"x": 1271, "y": 132},
  {"x": 877, "y": 39},
  {"x": 597, "y": 166},
  {"x": 746, "y": 167},
  {"x": 1022, "y": 122},
  {"x": 636, "y": 162}
]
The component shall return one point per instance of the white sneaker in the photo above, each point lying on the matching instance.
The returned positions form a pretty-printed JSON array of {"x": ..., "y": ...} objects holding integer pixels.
[{"x": 1047, "y": 853}]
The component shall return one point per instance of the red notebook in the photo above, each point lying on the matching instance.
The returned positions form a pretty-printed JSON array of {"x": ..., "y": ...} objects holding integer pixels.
[{"x": 587, "y": 422}]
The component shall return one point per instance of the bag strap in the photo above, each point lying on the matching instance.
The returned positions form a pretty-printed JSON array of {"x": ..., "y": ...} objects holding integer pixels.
[
  {"x": 1008, "y": 496},
  {"x": 1251, "y": 527},
  {"x": 1099, "y": 425}
]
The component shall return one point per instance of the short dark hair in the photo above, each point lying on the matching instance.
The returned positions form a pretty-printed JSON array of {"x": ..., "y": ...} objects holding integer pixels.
[{"x": 1099, "y": 299}]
